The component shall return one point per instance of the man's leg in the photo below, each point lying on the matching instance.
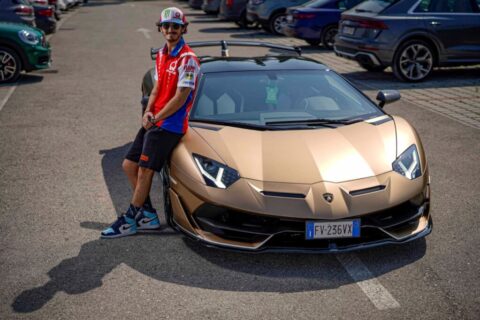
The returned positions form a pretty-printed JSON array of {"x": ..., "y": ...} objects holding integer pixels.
[
  {"x": 131, "y": 171},
  {"x": 143, "y": 185}
]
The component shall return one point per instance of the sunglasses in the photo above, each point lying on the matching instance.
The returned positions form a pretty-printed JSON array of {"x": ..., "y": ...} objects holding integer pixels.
[{"x": 167, "y": 25}]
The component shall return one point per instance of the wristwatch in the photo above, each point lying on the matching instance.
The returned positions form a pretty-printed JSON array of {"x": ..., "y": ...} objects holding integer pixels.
[{"x": 151, "y": 119}]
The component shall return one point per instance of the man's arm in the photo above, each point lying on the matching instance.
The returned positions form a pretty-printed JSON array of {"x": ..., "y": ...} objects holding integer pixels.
[
  {"x": 148, "y": 110},
  {"x": 178, "y": 100}
]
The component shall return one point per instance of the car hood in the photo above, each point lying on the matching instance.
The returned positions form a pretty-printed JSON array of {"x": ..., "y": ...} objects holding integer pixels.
[{"x": 345, "y": 153}]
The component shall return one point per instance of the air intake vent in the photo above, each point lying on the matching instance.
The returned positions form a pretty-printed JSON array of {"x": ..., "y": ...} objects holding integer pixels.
[
  {"x": 283, "y": 194},
  {"x": 367, "y": 190}
]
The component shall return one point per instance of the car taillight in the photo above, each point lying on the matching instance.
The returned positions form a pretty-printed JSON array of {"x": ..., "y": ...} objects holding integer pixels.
[
  {"x": 45, "y": 12},
  {"x": 303, "y": 16},
  {"x": 24, "y": 11},
  {"x": 229, "y": 3},
  {"x": 372, "y": 24}
]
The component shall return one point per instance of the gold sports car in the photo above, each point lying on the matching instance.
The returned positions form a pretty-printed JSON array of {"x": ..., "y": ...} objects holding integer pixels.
[{"x": 284, "y": 154}]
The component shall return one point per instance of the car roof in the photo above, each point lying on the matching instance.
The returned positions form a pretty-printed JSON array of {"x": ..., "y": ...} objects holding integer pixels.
[{"x": 264, "y": 63}]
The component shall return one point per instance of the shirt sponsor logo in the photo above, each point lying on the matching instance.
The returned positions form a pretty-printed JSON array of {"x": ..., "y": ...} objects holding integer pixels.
[
  {"x": 189, "y": 76},
  {"x": 172, "y": 67}
]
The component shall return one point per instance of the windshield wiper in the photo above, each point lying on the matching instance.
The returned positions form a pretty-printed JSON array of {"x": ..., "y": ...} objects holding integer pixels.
[
  {"x": 324, "y": 122},
  {"x": 362, "y": 10},
  {"x": 231, "y": 123}
]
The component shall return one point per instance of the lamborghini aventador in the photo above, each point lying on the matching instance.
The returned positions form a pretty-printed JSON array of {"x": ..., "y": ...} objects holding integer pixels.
[{"x": 283, "y": 153}]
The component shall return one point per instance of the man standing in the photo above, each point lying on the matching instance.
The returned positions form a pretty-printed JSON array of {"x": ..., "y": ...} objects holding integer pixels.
[{"x": 164, "y": 123}]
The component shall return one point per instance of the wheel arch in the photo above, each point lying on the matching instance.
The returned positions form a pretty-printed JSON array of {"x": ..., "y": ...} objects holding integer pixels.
[
  {"x": 278, "y": 10},
  {"x": 17, "y": 49},
  {"x": 426, "y": 37}
]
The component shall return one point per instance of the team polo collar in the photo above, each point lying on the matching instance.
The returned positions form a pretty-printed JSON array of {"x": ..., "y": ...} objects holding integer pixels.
[{"x": 175, "y": 50}]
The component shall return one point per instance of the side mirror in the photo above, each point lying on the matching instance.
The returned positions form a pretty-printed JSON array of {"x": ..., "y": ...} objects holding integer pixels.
[
  {"x": 153, "y": 53},
  {"x": 387, "y": 96}
]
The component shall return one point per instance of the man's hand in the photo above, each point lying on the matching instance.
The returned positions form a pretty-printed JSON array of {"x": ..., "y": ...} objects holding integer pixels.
[{"x": 146, "y": 120}]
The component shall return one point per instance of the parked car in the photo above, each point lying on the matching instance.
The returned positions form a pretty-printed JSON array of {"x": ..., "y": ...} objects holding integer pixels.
[
  {"x": 317, "y": 21},
  {"x": 21, "y": 48},
  {"x": 19, "y": 11},
  {"x": 410, "y": 36},
  {"x": 358, "y": 178},
  {"x": 271, "y": 14},
  {"x": 195, "y": 4},
  {"x": 211, "y": 6},
  {"x": 234, "y": 10},
  {"x": 45, "y": 18}
]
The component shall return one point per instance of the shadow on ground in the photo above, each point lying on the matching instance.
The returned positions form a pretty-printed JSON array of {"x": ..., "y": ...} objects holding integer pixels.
[
  {"x": 175, "y": 259},
  {"x": 170, "y": 257}
]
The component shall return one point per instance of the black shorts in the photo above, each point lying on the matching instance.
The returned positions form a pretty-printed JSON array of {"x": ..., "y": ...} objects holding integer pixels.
[{"x": 152, "y": 147}]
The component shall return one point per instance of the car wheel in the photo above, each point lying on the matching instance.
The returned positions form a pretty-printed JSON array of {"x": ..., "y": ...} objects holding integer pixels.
[
  {"x": 277, "y": 22},
  {"x": 413, "y": 61},
  {"x": 10, "y": 65},
  {"x": 313, "y": 43},
  {"x": 328, "y": 36},
  {"x": 372, "y": 68}
]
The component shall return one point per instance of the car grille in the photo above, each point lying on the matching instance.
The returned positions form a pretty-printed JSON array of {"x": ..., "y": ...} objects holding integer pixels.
[
  {"x": 282, "y": 232},
  {"x": 43, "y": 60}
]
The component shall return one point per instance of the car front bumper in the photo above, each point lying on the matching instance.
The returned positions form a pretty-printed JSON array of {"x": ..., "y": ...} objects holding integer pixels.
[{"x": 281, "y": 226}]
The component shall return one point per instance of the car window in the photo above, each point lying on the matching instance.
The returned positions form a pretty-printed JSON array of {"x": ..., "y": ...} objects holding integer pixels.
[
  {"x": 374, "y": 6},
  {"x": 445, "y": 6},
  {"x": 259, "y": 97},
  {"x": 317, "y": 3},
  {"x": 348, "y": 4}
]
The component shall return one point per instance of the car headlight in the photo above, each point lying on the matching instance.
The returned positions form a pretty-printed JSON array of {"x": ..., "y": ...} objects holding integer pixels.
[
  {"x": 214, "y": 173},
  {"x": 28, "y": 37},
  {"x": 408, "y": 163}
]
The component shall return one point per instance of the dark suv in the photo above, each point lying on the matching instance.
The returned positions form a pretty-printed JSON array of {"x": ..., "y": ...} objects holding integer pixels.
[{"x": 411, "y": 36}]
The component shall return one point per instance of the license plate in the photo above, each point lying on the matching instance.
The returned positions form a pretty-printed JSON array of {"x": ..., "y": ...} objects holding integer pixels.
[
  {"x": 332, "y": 229},
  {"x": 348, "y": 30}
]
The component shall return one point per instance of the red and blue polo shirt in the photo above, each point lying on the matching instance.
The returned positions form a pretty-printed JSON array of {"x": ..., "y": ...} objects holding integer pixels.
[{"x": 180, "y": 68}]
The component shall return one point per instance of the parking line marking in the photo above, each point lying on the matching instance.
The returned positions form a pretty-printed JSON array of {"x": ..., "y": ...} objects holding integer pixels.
[
  {"x": 373, "y": 289},
  {"x": 9, "y": 94}
]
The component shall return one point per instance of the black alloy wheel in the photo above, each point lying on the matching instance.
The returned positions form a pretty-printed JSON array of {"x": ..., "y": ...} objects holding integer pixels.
[
  {"x": 413, "y": 61},
  {"x": 277, "y": 23},
  {"x": 167, "y": 203},
  {"x": 10, "y": 65},
  {"x": 328, "y": 36}
]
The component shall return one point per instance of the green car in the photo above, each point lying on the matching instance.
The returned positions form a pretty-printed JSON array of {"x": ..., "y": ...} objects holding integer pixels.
[{"x": 21, "y": 48}]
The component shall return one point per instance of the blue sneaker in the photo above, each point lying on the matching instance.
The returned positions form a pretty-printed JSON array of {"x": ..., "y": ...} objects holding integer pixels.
[
  {"x": 124, "y": 226},
  {"x": 147, "y": 220}
]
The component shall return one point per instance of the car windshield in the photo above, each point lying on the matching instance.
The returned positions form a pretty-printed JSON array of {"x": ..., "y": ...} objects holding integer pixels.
[
  {"x": 280, "y": 97},
  {"x": 317, "y": 3},
  {"x": 374, "y": 6}
]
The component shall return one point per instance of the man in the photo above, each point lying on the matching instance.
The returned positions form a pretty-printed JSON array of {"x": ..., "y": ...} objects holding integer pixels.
[{"x": 164, "y": 123}]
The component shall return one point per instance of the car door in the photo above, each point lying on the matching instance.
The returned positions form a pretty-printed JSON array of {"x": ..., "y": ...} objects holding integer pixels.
[{"x": 456, "y": 23}]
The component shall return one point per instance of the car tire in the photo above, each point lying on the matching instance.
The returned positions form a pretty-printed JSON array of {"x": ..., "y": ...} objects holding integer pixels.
[
  {"x": 10, "y": 65},
  {"x": 276, "y": 23},
  {"x": 413, "y": 61},
  {"x": 372, "y": 68},
  {"x": 314, "y": 43},
  {"x": 328, "y": 36}
]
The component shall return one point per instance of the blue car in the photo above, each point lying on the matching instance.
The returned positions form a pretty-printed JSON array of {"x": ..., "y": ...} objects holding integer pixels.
[{"x": 317, "y": 21}]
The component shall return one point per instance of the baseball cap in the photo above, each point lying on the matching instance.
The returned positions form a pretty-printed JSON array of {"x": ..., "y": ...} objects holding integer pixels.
[{"x": 174, "y": 15}]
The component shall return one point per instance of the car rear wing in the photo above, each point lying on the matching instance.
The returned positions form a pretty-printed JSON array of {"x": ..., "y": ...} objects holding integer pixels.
[{"x": 225, "y": 44}]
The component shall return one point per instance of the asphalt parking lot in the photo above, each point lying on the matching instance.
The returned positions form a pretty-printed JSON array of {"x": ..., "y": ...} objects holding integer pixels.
[{"x": 64, "y": 132}]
